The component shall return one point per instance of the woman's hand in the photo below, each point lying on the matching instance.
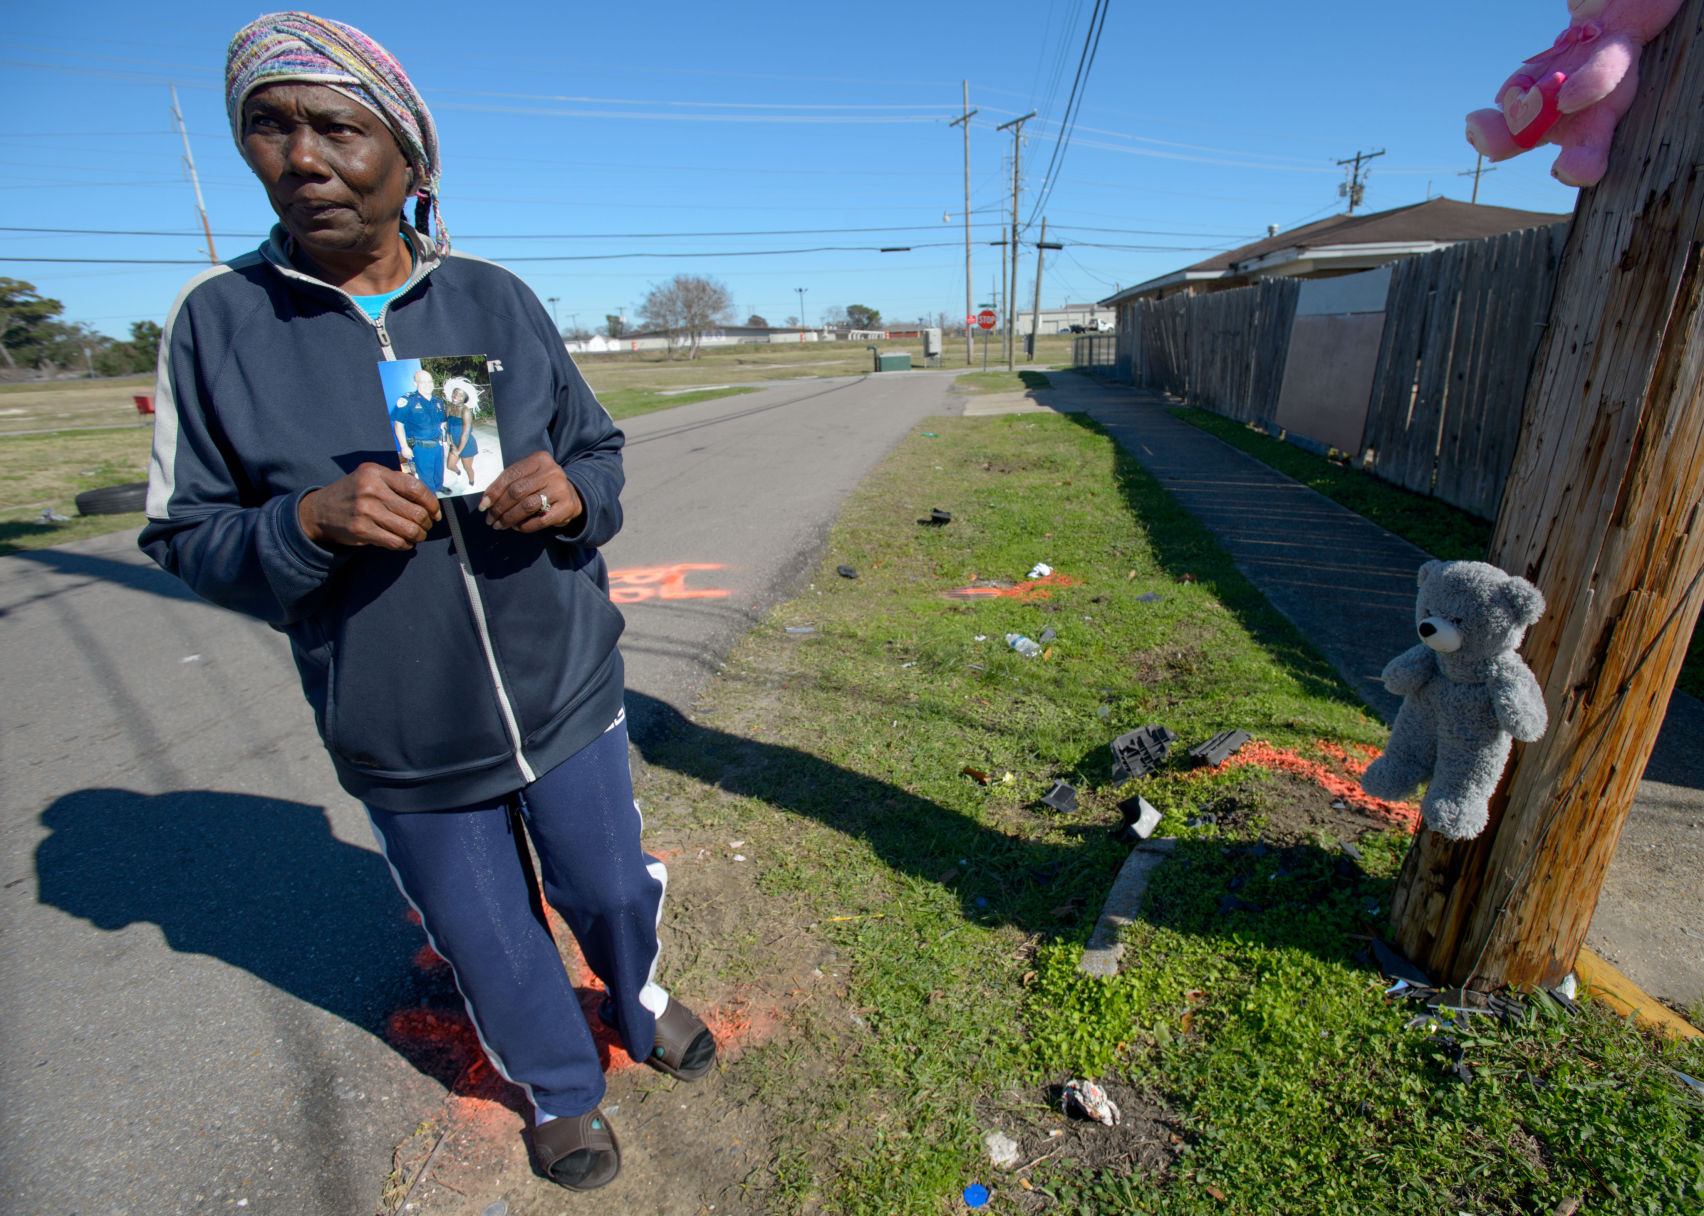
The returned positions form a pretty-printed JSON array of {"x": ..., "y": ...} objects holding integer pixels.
[
  {"x": 530, "y": 495},
  {"x": 373, "y": 505}
]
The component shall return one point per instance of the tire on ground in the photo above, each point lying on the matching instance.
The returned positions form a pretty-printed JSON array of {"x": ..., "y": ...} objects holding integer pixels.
[{"x": 113, "y": 500}]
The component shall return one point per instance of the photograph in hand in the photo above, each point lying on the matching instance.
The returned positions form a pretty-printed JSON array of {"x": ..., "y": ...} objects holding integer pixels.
[{"x": 444, "y": 420}]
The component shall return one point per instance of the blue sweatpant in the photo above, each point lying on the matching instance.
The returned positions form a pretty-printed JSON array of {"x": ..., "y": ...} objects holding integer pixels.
[{"x": 466, "y": 874}]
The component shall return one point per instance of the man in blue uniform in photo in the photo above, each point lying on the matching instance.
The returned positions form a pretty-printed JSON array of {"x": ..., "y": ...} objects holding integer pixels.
[{"x": 418, "y": 420}]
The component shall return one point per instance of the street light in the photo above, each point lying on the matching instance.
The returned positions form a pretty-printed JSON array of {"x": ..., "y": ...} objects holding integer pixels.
[
  {"x": 553, "y": 319},
  {"x": 802, "y": 291}
]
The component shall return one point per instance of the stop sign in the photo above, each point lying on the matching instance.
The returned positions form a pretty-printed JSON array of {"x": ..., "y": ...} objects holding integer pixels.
[{"x": 986, "y": 318}]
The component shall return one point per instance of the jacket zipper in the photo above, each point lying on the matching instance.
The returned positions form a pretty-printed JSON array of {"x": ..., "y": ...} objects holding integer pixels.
[{"x": 471, "y": 586}]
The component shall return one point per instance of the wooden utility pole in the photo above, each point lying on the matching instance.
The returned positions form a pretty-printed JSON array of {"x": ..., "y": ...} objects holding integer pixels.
[
  {"x": 1478, "y": 171},
  {"x": 1041, "y": 247},
  {"x": 1016, "y": 126},
  {"x": 1602, "y": 512},
  {"x": 969, "y": 300},
  {"x": 189, "y": 160},
  {"x": 1355, "y": 186}
]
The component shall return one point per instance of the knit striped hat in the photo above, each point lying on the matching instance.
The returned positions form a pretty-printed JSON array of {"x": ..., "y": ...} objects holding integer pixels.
[{"x": 316, "y": 50}]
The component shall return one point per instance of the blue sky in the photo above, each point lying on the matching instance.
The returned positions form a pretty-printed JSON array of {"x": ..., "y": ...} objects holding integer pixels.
[{"x": 674, "y": 130}]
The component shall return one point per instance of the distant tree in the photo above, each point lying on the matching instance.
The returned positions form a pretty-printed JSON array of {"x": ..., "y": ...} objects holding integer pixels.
[
  {"x": 685, "y": 308},
  {"x": 757, "y": 322},
  {"x": 614, "y": 325},
  {"x": 27, "y": 325},
  {"x": 860, "y": 317},
  {"x": 576, "y": 333},
  {"x": 834, "y": 317},
  {"x": 140, "y": 354},
  {"x": 792, "y": 321}
]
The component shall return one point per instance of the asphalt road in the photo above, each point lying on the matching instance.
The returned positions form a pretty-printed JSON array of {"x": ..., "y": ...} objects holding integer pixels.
[{"x": 199, "y": 947}]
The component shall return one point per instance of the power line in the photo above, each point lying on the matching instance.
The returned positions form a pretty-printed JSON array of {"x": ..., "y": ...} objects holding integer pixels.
[
  {"x": 1073, "y": 104},
  {"x": 544, "y": 236}
]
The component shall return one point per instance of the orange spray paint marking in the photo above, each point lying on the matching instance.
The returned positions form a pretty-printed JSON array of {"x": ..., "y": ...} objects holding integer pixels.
[
  {"x": 1029, "y": 589},
  {"x": 660, "y": 583},
  {"x": 1344, "y": 785},
  {"x": 428, "y": 959}
]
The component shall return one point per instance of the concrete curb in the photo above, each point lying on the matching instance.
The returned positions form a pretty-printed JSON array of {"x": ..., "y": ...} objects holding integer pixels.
[{"x": 1101, "y": 955}]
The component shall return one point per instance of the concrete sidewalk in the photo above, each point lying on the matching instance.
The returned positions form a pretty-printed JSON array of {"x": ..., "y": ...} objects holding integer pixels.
[{"x": 1348, "y": 585}]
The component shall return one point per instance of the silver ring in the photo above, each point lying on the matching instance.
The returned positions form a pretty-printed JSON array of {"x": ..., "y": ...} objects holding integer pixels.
[{"x": 543, "y": 504}]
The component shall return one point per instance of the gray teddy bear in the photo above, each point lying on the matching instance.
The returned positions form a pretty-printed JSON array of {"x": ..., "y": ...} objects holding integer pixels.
[{"x": 1465, "y": 691}]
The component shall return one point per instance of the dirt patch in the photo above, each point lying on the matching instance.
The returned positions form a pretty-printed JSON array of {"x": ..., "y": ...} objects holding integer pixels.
[
  {"x": 734, "y": 955},
  {"x": 1291, "y": 810},
  {"x": 1146, "y": 1141}
]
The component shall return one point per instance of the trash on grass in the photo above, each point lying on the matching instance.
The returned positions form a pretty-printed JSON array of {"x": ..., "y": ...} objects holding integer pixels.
[
  {"x": 1091, "y": 1101},
  {"x": 801, "y": 629},
  {"x": 1349, "y": 850},
  {"x": 1140, "y": 818},
  {"x": 1048, "y": 635},
  {"x": 846, "y": 572},
  {"x": 1139, "y": 752},
  {"x": 1105, "y": 711},
  {"x": 1220, "y": 748},
  {"x": 975, "y": 774},
  {"x": 1024, "y": 646},
  {"x": 1569, "y": 987},
  {"x": 1201, "y": 820},
  {"x": 1002, "y": 1150},
  {"x": 1693, "y": 1082},
  {"x": 1061, "y": 797},
  {"x": 1150, "y": 597},
  {"x": 50, "y": 516},
  {"x": 1394, "y": 967},
  {"x": 1039, "y": 570},
  {"x": 930, "y": 435},
  {"x": 937, "y": 518},
  {"x": 975, "y": 1195}
]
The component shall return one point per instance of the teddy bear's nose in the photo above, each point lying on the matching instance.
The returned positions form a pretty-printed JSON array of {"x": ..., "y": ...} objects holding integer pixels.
[{"x": 1427, "y": 629}]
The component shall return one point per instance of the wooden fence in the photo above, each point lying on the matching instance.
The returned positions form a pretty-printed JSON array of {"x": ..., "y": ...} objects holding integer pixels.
[
  {"x": 1461, "y": 328},
  {"x": 1224, "y": 351}
]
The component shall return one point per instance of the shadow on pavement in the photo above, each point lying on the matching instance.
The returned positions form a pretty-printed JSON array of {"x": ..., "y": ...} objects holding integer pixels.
[
  {"x": 262, "y": 884},
  {"x": 138, "y": 576}
]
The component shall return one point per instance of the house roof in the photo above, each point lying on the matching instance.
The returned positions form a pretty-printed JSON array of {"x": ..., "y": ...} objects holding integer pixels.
[{"x": 1417, "y": 228}]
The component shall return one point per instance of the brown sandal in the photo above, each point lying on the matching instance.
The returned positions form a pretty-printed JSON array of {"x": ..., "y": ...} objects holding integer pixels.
[
  {"x": 685, "y": 1048},
  {"x": 580, "y": 1154}
]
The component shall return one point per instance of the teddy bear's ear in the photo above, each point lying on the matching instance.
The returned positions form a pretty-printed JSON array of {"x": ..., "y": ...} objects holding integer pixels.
[
  {"x": 1427, "y": 571},
  {"x": 1524, "y": 600}
]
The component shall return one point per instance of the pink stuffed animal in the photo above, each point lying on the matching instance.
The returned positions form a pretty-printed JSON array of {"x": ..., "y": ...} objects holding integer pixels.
[{"x": 1574, "y": 93}]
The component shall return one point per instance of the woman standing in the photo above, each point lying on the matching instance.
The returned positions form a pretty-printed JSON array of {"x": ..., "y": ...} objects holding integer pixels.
[{"x": 460, "y": 657}]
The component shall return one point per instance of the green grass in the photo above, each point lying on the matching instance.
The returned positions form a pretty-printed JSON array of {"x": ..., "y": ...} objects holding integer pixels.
[
  {"x": 630, "y": 402},
  {"x": 1001, "y": 382},
  {"x": 1432, "y": 525},
  {"x": 51, "y": 470},
  {"x": 836, "y": 756}
]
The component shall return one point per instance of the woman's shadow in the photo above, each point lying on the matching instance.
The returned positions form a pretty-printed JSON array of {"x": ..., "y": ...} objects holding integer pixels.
[{"x": 263, "y": 884}]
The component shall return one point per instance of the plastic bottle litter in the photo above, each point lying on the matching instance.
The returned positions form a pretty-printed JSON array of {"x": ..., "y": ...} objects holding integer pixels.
[
  {"x": 1039, "y": 570},
  {"x": 1024, "y": 646}
]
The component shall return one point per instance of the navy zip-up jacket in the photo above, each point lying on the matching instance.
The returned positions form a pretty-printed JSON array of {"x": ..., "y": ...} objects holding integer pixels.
[{"x": 449, "y": 674}]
